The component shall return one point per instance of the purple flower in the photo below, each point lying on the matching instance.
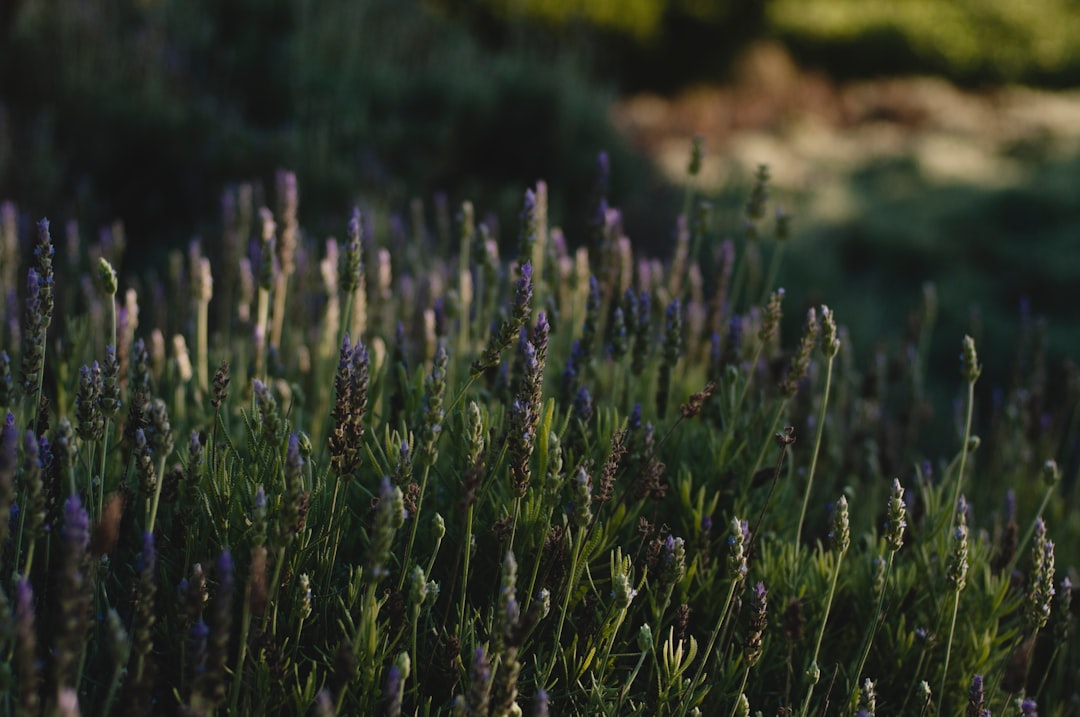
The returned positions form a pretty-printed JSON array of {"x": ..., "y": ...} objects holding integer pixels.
[
  {"x": 76, "y": 530},
  {"x": 540, "y": 336},
  {"x": 734, "y": 338},
  {"x": 642, "y": 333},
  {"x": 583, "y": 405},
  {"x": 352, "y": 259},
  {"x": 143, "y": 622},
  {"x": 620, "y": 339},
  {"x": 226, "y": 574},
  {"x": 294, "y": 509},
  {"x": 27, "y": 665},
  {"x": 527, "y": 352},
  {"x": 148, "y": 557},
  {"x": 592, "y": 316},
  {"x": 523, "y": 297},
  {"x": 522, "y": 437},
  {"x": 977, "y": 699},
  {"x": 6, "y": 382},
  {"x": 9, "y": 446},
  {"x": 479, "y": 695},
  {"x": 540, "y": 703},
  {"x": 570, "y": 372},
  {"x": 603, "y": 172},
  {"x": 759, "y": 619},
  {"x": 529, "y": 225},
  {"x": 200, "y": 632},
  {"x": 212, "y": 683},
  {"x": 393, "y": 691}
]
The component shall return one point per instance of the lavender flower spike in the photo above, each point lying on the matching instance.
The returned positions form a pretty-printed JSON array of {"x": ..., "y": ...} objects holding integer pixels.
[
  {"x": 74, "y": 598},
  {"x": 9, "y": 446},
  {"x": 897, "y": 517},
  {"x": 737, "y": 551},
  {"x": 27, "y": 664}
]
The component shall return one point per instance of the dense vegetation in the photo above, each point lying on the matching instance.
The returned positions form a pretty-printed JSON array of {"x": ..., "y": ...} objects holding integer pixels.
[{"x": 407, "y": 473}]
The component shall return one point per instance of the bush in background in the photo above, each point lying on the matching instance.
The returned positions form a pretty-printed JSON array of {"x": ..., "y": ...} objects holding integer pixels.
[{"x": 142, "y": 110}]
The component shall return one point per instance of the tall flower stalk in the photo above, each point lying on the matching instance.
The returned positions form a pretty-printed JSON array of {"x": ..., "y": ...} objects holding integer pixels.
[
  {"x": 770, "y": 323},
  {"x": 956, "y": 577},
  {"x": 40, "y": 303},
  {"x": 288, "y": 197},
  {"x": 970, "y": 370},
  {"x": 830, "y": 345},
  {"x": 737, "y": 569},
  {"x": 841, "y": 540},
  {"x": 894, "y": 540},
  {"x": 433, "y": 420}
]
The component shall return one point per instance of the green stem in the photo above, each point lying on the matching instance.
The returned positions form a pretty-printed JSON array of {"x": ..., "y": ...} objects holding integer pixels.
[
  {"x": 611, "y": 640},
  {"x": 114, "y": 687},
  {"x": 705, "y": 656},
  {"x": 911, "y": 688},
  {"x": 739, "y": 278},
  {"x": 29, "y": 555},
  {"x": 948, "y": 653},
  {"x": 630, "y": 680},
  {"x": 1046, "y": 672},
  {"x": 821, "y": 634},
  {"x": 963, "y": 455},
  {"x": 332, "y": 545},
  {"x": 104, "y": 454},
  {"x": 461, "y": 395},
  {"x": 872, "y": 628},
  {"x": 769, "y": 436},
  {"x": 152, "y": 515},
  {"x": 111, "y": 335},
  {"x": 274, "y": 588},
  {"x": 413, "y": 655},
  {"x": 467, "y": 546},
  {"x": 814, "y": 455},
  {"x": 415, "y": 524},
  {"x": 1030, "y": 531},
  {"x": 514, "y": 523},
  {"x": 575, "y": 572},
  {"x": 238, "y": 674},
  {"x": 774, "y": 269},
  {"x": 108, "y": 421},
  {"x": 749, "y": 375},
  {"x": 742, "y": 687}
]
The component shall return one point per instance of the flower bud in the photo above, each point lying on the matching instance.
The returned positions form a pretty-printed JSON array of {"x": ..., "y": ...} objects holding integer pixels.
[{"x": 107, "y": 277}]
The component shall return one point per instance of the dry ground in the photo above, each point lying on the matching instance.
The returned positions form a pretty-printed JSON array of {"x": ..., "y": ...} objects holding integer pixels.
[{"x": 814, "y": 133}]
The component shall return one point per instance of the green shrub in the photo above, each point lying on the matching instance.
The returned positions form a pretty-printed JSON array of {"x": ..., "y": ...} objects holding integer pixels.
[{"x": 975, "y": 41}]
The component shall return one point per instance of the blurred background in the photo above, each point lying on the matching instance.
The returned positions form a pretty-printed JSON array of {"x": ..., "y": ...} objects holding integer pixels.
[{"x": 912, "y": 141}]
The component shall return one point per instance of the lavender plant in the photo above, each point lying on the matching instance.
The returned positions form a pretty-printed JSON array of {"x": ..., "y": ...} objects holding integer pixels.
[{"x": 435, "y": 524}]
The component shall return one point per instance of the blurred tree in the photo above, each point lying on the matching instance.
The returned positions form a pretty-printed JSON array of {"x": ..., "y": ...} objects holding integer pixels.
[
  {"x": 641, "y": 44},
  {"x": 144, "y": 109}
]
